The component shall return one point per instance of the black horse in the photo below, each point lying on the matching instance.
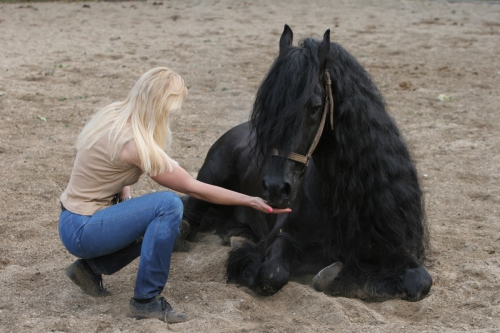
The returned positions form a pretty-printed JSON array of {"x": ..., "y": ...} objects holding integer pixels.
[{"x": 320, "y": 141}]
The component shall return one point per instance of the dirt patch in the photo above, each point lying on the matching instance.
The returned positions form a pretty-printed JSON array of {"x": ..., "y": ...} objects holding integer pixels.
[{"x": 436, "y": 64}]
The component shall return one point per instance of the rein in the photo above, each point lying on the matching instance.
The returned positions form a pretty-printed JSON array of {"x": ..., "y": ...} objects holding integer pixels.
[{"x": 304, "y": 159}]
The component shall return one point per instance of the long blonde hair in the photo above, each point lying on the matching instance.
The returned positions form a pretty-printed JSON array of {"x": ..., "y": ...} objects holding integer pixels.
[{"x": 158, "y": 93}]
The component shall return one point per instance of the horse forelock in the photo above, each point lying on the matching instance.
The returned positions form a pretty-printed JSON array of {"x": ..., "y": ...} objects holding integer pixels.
[{"x": 278, "y": 110}]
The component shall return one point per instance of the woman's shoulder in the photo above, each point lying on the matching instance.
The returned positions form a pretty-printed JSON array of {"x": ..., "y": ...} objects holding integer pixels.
[
  {"x": 130, "y": 153},
  {"x": 121, "y": 135}
]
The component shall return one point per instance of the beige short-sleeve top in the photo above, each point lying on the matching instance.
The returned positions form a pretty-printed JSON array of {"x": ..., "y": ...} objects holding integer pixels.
[{"x": 97, "y": 177}]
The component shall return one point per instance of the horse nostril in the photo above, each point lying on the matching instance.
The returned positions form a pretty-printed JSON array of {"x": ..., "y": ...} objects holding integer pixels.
[
  {"x": 264, "y": 187},
  {"x": 286, "y": 189}
]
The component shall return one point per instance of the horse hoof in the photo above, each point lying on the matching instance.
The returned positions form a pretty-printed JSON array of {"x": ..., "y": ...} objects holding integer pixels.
[
  {"x": 236, "y": 241},
  {"x": 326, "y": 276},
  {"x": 417, "y": 283}
]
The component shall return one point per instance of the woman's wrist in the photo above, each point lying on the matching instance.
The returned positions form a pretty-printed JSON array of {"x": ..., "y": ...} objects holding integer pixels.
[{"x": 124, "y": 199}]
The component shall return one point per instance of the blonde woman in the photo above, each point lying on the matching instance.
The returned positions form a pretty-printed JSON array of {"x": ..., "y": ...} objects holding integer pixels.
[{"x": 120, "y": 143}]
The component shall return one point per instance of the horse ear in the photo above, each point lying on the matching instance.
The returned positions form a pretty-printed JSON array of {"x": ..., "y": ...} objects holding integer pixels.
[
  {"x": 286, "y": 38},
  {"x": 324, "y": 48}
]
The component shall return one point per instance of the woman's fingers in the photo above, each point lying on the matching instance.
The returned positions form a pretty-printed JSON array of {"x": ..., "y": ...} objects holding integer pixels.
[
  {"x": 280, "y": 210},
  {"x": 263, "y": 206}
]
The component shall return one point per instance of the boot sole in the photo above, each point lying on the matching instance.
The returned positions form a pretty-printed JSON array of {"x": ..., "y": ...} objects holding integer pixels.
[{"x": 141, "y": 317}]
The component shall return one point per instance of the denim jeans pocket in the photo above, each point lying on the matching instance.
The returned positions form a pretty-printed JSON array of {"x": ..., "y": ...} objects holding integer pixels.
[{"x": 67, "y": 232}]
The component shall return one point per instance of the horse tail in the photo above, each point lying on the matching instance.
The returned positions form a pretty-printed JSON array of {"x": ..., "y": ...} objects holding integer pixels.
[{"x": 243, "y": 263}]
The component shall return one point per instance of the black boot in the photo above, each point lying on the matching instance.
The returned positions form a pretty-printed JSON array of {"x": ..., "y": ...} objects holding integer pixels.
[
  {"x": 82, "y": 275},
  {"x": 158, "y": 308}
]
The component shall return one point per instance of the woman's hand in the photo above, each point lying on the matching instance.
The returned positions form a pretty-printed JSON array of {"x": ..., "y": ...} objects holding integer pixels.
[{"x": 260, "y": 204}]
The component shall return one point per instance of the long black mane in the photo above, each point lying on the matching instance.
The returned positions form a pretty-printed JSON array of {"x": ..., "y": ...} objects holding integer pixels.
[
  {"x": 277, "y": 114},
  {"x": 375, "y": 198}
]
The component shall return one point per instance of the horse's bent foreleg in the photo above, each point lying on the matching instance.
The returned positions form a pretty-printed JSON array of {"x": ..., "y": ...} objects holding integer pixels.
[
  {"x": 265, "y": 274},
  {"x": 274, "y": 272},
  {"x": 243, "y": 262}
]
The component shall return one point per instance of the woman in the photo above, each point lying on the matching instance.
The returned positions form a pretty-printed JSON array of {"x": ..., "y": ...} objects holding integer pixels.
[{"x": 120, "y": 142}]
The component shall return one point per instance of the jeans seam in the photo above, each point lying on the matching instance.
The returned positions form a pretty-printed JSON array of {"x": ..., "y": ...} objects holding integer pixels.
[
  {"x": 151, "y": 250},
  {"x": 74, "y": 238},
  {"x": 123, "y": 216},
  {"x": 77, "y": 240},
  {"x": 62, "y": 222}
]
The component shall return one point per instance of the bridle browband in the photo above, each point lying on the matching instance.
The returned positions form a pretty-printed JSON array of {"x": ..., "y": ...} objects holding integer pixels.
[{"x": 328, "y": 109}]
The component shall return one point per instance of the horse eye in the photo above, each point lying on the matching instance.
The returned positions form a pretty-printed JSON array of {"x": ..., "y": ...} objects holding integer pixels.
[
  {"x": 300, "y": 171},
  {"x": 315, "y": 109}
]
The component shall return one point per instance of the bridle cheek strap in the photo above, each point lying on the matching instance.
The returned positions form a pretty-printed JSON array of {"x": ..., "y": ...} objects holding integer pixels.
[{"x": 329, "y": 105}]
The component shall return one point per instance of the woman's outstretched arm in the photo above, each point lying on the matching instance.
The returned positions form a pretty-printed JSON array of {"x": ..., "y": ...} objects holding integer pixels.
[{"x": 181, "y": 181}]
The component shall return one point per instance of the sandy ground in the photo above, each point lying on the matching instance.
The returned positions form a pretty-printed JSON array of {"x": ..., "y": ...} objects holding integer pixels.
[{"x": 60, "y": 62}]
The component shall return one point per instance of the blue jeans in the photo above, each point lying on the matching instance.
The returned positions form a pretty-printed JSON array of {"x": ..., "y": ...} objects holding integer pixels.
[{"x": 110, "y": 239}]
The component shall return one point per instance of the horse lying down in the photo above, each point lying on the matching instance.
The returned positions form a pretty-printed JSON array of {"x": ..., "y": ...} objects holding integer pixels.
[{"x": 320, "y": 141}]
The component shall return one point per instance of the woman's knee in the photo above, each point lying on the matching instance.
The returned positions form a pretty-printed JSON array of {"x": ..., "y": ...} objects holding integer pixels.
[{"x": 172, "y": 205}]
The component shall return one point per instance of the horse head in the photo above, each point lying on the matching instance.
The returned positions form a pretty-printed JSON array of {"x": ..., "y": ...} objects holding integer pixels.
[{"x": 289, "y": 114}]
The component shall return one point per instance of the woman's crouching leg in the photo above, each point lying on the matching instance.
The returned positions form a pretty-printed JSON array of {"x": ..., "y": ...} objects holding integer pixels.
[{"x": 157, "y": 245}]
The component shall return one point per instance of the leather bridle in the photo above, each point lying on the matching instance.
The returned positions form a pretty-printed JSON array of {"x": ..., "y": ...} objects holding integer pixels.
[{"x": 304, "y": 159}]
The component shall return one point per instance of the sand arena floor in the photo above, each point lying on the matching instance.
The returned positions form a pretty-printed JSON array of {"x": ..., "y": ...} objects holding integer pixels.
[{"x": 60, "y": 62}]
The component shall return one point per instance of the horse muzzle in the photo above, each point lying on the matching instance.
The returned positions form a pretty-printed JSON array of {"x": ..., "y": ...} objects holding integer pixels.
[{"x": 277, "y": 194}]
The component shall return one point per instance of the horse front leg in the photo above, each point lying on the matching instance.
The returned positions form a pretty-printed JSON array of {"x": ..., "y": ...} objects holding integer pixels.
[
  {"x": 265, "y": 275},
  {"x": 274, "y": 272}
]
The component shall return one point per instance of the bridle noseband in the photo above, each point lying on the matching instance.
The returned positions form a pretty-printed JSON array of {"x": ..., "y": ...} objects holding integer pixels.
[{"x": 304, "y": 159}]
